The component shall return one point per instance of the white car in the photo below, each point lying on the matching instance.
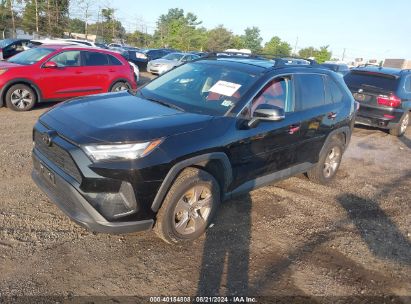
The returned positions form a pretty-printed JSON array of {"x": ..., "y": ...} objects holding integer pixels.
[
  {"x": 168, "y": 62},
  {"x": 136, "y": 71},
  {"x": 65, "y": 41}
]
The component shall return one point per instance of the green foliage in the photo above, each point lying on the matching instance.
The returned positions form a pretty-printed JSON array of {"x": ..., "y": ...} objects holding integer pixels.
[
  {"x": 320, "y": 55},
  {"x": 178, "y": 30},
  {"x": 77, "y": 26},
  {"x": 277, "y": 48},
  {"x": 219, "y": 39},
  {"x": 323, "y": 54},
  {"x": 109, "y": 30},
  {"x": 138, "y": 39},
  {"x": 49, "y": 16},
  {"x": 5, "y": 17},
  {"x": 252, "y": 39}
]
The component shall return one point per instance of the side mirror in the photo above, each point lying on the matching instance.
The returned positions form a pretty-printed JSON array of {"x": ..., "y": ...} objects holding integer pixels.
[
  {"x": 266, "y": 112},
  {"x": 50, "y": 65}
]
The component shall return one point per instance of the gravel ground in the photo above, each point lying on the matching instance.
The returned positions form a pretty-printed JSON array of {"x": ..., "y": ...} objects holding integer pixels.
[{"x": 352, "y": 238}]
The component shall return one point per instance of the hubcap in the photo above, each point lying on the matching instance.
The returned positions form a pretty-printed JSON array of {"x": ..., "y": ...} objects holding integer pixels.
[
  {"x": 21, "y": 98},
  {"x": 404, "y": 123},
  {"x": 192, "y": 210},
  {"x": 331, "y": 162}
]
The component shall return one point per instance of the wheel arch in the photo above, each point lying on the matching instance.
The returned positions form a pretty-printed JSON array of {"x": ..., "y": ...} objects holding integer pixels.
[
  {"x": 24, "y": 81},
  {"x": 343, "y": 134},
  {"x": 215, "y": 163}
]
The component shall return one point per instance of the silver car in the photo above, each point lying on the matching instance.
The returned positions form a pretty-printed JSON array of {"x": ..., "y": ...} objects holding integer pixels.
[{"x": 162, "y": 65}]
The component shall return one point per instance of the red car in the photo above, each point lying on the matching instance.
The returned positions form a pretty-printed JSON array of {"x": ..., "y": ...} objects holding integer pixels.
[{"x": 58, "y": 72}]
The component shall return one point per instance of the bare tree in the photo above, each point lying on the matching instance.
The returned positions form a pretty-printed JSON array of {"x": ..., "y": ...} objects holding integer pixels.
[{"x": 36, "y": 3}]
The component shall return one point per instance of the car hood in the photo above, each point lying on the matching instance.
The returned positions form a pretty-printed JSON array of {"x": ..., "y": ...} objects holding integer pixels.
[
  {"x": 164, "y": 61},
  {"x": 119, "y": 117}
]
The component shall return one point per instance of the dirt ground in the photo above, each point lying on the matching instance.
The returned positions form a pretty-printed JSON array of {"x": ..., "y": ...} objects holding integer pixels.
[{"x": 352, "y": 238}]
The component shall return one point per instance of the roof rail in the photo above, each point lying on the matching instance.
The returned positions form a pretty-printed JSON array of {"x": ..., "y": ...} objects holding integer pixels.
[
  {"x": 232, "y": 54},
  {"x": 287, "y": 61},
  {"x": 368, "y": 64}
]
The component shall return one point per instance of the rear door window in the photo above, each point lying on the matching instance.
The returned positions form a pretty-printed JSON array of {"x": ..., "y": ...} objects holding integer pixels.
[
  {"x": 371, "y": 81},
  {"x": 95, "y": 59},
  {"x": 113, "y": 60},
  {"x": 310, "y": 91},
  {"x": 333, "y": 91}
]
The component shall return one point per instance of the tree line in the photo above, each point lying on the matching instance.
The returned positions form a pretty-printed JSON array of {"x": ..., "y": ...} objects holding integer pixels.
[{"x": 175, "y": 29}]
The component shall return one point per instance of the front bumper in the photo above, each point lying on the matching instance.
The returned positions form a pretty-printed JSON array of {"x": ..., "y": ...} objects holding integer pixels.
[{"x": 69, "y": 199}]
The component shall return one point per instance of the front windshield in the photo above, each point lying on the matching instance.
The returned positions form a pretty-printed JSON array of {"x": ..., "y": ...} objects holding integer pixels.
[
  {"x": 173, "y": 57},
  {"x": 30, "y": 56},
  {"x": 200, "y": 87}
]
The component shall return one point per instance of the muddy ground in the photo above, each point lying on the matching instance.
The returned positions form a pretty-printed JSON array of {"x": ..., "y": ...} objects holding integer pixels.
[{"x": 352, "y": 238}]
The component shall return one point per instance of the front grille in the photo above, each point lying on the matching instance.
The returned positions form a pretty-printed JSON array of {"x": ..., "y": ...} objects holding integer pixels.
[{"x": 58, "y": 156}]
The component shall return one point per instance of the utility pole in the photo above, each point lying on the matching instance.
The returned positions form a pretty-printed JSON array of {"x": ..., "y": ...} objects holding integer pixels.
[
  {"x": 343, "y": 55},
  {"x": 295, "y": 47}
]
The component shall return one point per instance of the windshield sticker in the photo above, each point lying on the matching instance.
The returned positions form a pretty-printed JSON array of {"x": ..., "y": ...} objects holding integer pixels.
[
  {"x": 227, "y": 103},
  {"x": 225, "y": 88}
]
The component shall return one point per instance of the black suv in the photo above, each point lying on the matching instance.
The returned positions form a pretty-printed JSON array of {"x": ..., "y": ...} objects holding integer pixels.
[
  {"x": 201, "y": 133},
  {"x": 384, "y": 95}
]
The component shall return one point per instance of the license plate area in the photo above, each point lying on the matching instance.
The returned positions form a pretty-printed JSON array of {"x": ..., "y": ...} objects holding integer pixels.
[
  {"x": 47, "y": 174},
  {"x": 362, "y": 97}
]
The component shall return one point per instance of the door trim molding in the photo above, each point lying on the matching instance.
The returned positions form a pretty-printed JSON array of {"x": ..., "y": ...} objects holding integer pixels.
[{"x": 268, "y": 179}]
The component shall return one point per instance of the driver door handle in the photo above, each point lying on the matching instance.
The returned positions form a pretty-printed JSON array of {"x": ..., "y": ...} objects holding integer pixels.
[
  {"x": 293, "y": 128},
  {"x": 332, "y": 115}
]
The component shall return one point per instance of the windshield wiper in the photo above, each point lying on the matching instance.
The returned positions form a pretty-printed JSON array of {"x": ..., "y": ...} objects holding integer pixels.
[{"x": 163, "y": 103}]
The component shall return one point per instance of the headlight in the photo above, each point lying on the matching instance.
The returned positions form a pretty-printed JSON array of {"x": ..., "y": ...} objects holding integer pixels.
[
  {"x": 121, "y": 151},
  {"x": 141, "y": 56},
  {"x": 2, "y": 71}
]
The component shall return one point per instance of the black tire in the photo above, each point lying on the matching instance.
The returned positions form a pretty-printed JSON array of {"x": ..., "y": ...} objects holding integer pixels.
[
  {"x": 20, "y": 97},
  {"x": 169, "y": 217},
  {"x": 120, "y": 86},
  {"x": 319, "y": 173},
  {"x": 402, "y": 126}
]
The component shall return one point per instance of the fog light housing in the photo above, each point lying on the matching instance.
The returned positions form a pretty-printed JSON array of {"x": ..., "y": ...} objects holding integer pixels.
[{"x": 114, "y": 205}]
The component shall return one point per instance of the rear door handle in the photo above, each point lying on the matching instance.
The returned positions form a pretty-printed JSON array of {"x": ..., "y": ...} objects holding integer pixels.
[
  {"x": 111, "y": 70},
  {"x": 293, "y": 128},
  {"x": 332, "y": 115},
  {"x": 78, "y": 72}
]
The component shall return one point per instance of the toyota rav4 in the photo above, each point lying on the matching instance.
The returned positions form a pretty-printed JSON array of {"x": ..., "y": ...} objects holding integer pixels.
[{"x": 202, "y": 133}]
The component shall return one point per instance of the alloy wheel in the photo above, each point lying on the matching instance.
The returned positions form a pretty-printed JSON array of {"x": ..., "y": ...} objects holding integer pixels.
[
  {"x": 404, "y": 124},
  {"x": 121, "y": 87},
  {"x": 21, "y": 98},
  {"x": 331, "y": 162},
  {"x": 192, "y": 210}
]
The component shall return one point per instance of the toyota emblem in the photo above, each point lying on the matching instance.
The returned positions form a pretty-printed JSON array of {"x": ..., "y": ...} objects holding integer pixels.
[{"x": 46, "y": 139}]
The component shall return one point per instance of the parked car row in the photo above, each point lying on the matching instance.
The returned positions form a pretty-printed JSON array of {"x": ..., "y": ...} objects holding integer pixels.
[{"x": 208, "y": 129}]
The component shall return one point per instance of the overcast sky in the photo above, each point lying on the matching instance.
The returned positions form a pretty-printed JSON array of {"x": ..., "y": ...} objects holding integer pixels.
[{"x": 365, "y": 28}]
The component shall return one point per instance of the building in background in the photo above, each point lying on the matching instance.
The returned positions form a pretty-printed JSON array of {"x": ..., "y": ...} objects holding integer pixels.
[{"x": 397, "y": 63}]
